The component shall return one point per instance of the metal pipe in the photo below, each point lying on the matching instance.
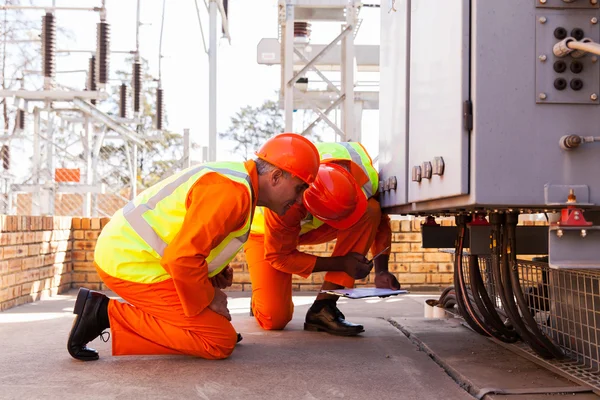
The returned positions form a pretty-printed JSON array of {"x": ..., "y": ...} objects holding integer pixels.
[
  {"x": 212, "y": 83},
  {"x": 200, "y": 24}
]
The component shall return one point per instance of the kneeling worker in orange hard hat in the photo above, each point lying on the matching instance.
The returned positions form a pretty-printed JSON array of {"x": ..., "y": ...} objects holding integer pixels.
[
  {"x": 341, "y": 204},
  {"x": 166, "y": 253}
]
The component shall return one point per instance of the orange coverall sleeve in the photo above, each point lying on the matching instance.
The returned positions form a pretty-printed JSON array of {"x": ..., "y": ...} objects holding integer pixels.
[
  {"x": 281, "y": 242},
  {"x": 216, "y": 206},
  {"x": 383, "y": 237}
]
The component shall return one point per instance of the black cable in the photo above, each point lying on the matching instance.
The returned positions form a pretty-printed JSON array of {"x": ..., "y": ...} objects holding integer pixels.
[
  {"x": 512, "y": 261},
  {"x": 460, "y": 288}
]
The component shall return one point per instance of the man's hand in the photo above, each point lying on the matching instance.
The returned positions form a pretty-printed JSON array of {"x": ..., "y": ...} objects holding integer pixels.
[
  {"x": 356, "y": 265},
  {"x": 219, "y": 304},
  {"x": 386, "y": 280},
  {"x": 223, "y": 279}
]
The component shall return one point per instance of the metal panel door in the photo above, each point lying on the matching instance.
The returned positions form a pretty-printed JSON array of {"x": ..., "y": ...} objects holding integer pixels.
[
  {"x": 393, "y": 100},
  {"x": 439, "y": 86}
]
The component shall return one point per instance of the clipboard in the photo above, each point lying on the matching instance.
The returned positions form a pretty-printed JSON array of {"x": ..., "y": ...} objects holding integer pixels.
[{"x": 362, "y": 293}]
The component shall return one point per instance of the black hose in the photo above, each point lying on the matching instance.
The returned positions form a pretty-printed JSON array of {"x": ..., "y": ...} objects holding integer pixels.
[
  {"x": 528, "y": 319},
  {"x": 509, "y": 303},
  {"x": 486, "y": 308},
  {"x": 462, "y": 300}
]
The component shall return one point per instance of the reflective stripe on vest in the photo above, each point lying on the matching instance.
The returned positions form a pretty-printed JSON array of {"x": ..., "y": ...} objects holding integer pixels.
[
  {"x": 157, "y": 227},
  {"x": 356, "y": 153}
]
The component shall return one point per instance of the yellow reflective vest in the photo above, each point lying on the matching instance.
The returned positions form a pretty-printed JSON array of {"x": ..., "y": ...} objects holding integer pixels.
[{"x": 132, "y": 244}]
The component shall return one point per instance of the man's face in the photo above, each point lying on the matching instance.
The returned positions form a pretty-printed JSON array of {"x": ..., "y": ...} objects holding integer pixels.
[{"x": 287, "y": 190}]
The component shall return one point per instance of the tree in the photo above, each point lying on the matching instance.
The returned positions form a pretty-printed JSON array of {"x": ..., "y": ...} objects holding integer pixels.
[{"x": 252, "y": 126}]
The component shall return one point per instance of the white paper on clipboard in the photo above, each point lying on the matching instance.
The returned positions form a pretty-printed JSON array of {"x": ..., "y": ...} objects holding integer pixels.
[{"x": 361, "y": 293}]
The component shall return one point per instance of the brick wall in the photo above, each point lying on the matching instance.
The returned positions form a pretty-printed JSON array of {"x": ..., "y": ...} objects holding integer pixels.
[
  {"x": 416, "y": 268},
  {"x": 35, "y": 258},
  {"x": 43, "y": 256}
]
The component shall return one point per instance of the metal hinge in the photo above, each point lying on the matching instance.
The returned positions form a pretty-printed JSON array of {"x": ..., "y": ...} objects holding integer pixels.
[{"x": 468, "y": 115}]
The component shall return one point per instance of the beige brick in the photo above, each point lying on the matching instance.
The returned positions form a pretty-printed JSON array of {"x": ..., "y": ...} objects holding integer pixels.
[
  {"x": 4, "y": 238},
  {"x": 39, "y": 236},
  {"x": 409, "y": 257},
  {"x": 14, "y": 265},
  {"x": 9, "y": 252},
  {"x": 32, "y": 262},
  {"x": 76, "y": 223},
  {"x": 4, "y": 295},
  {"x": 400, "y": 247},
  {"x": 89, "y": 256},
  {"x": 241, "y": 277},
  {"x": 88, "y": 266},
  {"x": 236, "y": 287},
  {"x": 46, "y": 236},
  {"x": 395, "y": 224},
  {"x": 3, "y": 267},
  {"x": 33, "y": 249},
  {"x": 92, "y": 235},
  {"x": 7, "y": 304},
  {"x": 416, "y": 224},
  {"x": 309, "y": 288},
  {"x": 85, "y": 224},
  {"x": 79, "y": 234},
  {"x": 438, "y": 257},
  {"x": 93, "y": 277},
  {"x": 297, "y": 279},
  {"x": 78, "y": 255},
  {"x": 84, "y": 245},
  {"x": 424, "y": 267},
  {"x": 411, "y": 278},
  {"x": 9, "y": 280},
  {"x": 407, "y": 237},
  {"x": 397, "y": 267},
  {"x": 446, "y": 267},
  {"x": 29, "y": 237},
  {"x": 95, "y": 224},
  {"x": 439, "y": 278},
  {"x": 79, "y": 277}
]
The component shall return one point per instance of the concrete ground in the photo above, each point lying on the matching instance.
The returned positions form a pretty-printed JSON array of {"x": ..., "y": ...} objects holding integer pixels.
[{"x": 400, "y": 356}]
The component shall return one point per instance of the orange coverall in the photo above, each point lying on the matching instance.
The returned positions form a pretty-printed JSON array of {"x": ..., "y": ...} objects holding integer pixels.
[
  {"x": 273, "y": 257},
  {"x": 172, "y": 316}
]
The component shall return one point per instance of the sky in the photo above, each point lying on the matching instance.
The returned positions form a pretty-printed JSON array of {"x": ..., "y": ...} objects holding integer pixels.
[{"x": 241, "y": 81}]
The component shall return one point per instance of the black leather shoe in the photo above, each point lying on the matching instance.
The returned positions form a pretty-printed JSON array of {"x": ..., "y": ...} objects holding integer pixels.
[
  {"x": 91, "y": 309},
  {"x": 331, "y": 320}
]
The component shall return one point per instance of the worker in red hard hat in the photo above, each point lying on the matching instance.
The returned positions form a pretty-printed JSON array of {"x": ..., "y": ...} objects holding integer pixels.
[
  {"x": 166, "y": 253},
  {"x": 341, "y": 204}
]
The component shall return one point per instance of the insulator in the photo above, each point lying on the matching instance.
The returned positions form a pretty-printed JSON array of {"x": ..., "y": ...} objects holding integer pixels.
[
  {"x": 102, "y": 52},
  {"x": 49, "y": 45},
  {"x": 5, "y": 154},
  {"x": 301, "y": 29},
  {"x": 90, "y": 83},
  {"x": 226, "y": 9},
  {"x": 160, "y": 110},
  {"x": 137, "y": 86},
  {"x": 20, "y": 120},
  {"x": 123, "y": 101}
]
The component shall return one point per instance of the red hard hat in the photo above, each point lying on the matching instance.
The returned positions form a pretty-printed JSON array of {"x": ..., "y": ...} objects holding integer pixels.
[
  {"x": 292, "y": 153},
  {"x": 335, "y": 198}
]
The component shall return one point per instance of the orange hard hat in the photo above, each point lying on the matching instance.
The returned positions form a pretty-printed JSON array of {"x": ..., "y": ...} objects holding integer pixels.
[
  {"x": 335, "y": 198},
  {"x": 292, "y": 153}
]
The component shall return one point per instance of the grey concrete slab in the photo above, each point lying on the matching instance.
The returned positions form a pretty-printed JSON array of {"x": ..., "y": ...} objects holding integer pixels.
[
  {"x": 289, "y": 364},
  {"x": 477, "y": 362}
]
